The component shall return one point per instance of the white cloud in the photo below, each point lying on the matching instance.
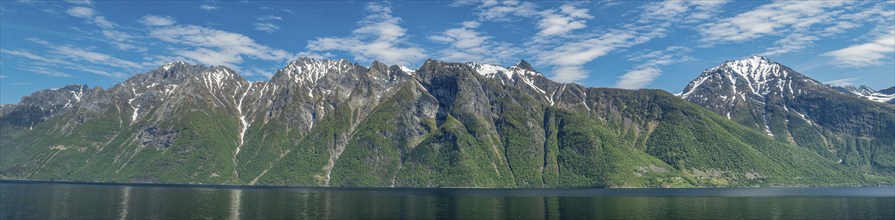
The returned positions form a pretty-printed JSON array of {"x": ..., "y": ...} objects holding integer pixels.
[
  {"x": 568, "y": 58},
  {"x": 41, "y": 59},
  {"x": 505, "y": 10},
  {"x": 266, "y": 27},
  {"x": 494, "y": 10},
  {"x": 380, "y": 37},
  {"x": 638, "y": 78},
  {"x": 649, "y": 70},
  {"x": 215, "y": 47},
  {"x": 81, "y": 12},
  {"x": 156, "y": 20},
  {"x": 798, "y": 23},
  {"x": 790, "y": 43},
  {"x": 255, "y": 71},
  {"x": 466, "y": 44},
  {"x": 91, "y": 15},
  {"x": 38, "y": 41},
  {"x": 122, "y": 40},
  {"x": 866, "y": 54},
  {"x": 80, "y": 2},
  {"x": 208, "y": 7},
  {"x": 567, "y": 55},
  {"x": 567, "y": 18},
  {"x": 768, "y": 19},
  {"x": 269, "y": 17},
  {"x": 105, "y": 73},
  {"x": 45, "y": 71},
  {"x": 3, "y": 77},
  {"x": 117, "y": 35},
  {"x": 80, "y": 54},
  {"x": 681, "y": 11},
  {"x": 842, "y": 82},
  {"x": 48, "y": 65}
]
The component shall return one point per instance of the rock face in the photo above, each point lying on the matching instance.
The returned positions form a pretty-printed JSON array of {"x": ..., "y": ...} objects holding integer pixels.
[
  {"x": 336, "y": 123},
  {"x": 792, "y": 108}
]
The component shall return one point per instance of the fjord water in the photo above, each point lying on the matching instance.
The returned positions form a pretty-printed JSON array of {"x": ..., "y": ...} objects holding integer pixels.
[{"x": 32, "y": 200}]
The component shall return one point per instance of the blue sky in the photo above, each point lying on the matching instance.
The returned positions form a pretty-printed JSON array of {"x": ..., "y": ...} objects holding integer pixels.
[{"x": 623, "y": 44}]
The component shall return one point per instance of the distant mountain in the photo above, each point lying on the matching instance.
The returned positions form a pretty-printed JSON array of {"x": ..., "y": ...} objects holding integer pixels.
[
  {"x": 889, "y": 91},
  {"x": 792, "y": 108},
  {"x": 884, "y": 96},
  {"x": 336, "y": 123}
]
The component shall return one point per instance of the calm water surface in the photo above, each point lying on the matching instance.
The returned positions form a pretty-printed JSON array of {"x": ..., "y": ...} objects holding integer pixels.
[{"x": 32, "y": 200}]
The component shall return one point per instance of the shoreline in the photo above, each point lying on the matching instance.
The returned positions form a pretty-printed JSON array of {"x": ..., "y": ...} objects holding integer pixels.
[{"x": 776, "y": 191}]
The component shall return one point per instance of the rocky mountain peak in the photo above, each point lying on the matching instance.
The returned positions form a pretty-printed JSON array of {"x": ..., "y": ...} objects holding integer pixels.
[
  {"x": 48, "y": 98},
  {"x": 178, "y": 63},
  {"x": 523, "y": 65}
]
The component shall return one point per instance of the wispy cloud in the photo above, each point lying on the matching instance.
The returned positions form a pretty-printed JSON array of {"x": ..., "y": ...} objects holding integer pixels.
[
  {"x": 467, "y": 44},
  {"x": 842, "y": 82},
  {"x": 269, "y": 17},
  {"x": 80, "y": 2},
  {"x": 379, "y": 37},
  {"x": 214, "y": 47},
  {"x": 45, "y": 71},
  {"x": 650, "y": 69},
  {"x": 801, "y": 23},
  {"x": 208, "y": 7},
  {"x": 123, "y": 41},
  {"x": 91, "y": 16},
  {"x": 119, "y": 39},
  {"x": 496, "y": 10},
  {"x": 493, "y": 10},
  {"x": 41, "y": 59},
  {"x": 50, "y": 65},
  {"x": 562, "y": 20},
  {"x": 768, "y": 19},
  {"x": 80, "y": 54},
  {"x": 568, "y": 55},
  {"x": 156, "y": 20},
  {"x": 267, "y": 27},
  {"x": 792, "y": 42},
  {"x": 20, "y": 83},
  {"x": 867, "y": 54}
]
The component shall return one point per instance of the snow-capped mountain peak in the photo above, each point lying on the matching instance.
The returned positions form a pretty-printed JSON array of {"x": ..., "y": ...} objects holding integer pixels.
[
  {"x": 168, "y": 66},
  {"x": 305, "y": 69},
  {"x": 756, "y": 68},
  {"x": 756, "y": 75}
]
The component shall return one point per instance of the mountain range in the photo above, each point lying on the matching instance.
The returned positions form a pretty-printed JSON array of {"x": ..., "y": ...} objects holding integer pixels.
[
  {"x": 884, "y": 95},
  {"x": 319, "y": 122}
]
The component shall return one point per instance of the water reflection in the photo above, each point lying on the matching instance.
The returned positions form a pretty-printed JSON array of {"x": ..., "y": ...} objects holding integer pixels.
[
  {"x": 53, "y": 201},
  {"x": 235, "y": 203},
  {"x": 125, "y": 199}
]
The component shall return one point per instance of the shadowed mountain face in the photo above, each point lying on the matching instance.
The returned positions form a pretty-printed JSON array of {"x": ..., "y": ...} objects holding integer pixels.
[
  {"x": 335, "y": 123},
  {"x": 787, "y": 106}
]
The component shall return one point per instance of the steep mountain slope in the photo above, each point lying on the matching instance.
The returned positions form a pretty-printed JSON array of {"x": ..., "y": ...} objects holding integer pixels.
[
  {"x": 884, "y": 96},
  {"x": 334, "y": 123},
  {"x": 792, "y": 108}
]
